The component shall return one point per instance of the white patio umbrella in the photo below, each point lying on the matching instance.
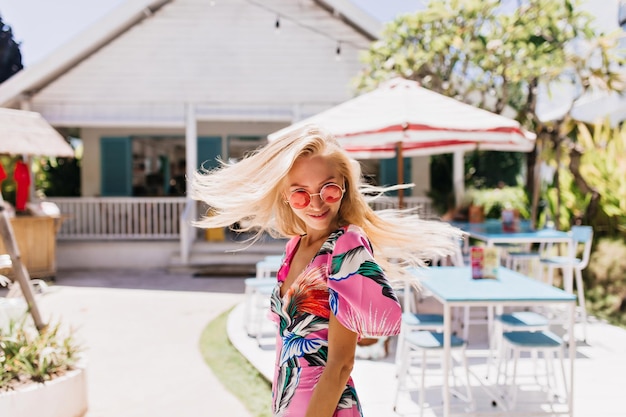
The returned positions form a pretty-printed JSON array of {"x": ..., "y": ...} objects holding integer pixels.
[
  {"x": 28, "y": 133},
  {"x": 401, "y": 118}
]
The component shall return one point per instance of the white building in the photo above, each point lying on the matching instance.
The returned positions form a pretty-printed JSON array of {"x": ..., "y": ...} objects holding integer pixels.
[{"x": 159, "y": 87}]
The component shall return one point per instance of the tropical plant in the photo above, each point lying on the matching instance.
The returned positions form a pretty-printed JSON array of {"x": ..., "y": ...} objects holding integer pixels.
[
  {"x": 566, "y": 200},
  {"x": 607, "y": 276},
  {"x": 27, "y": 355},
  {"x": 600, "y": 158},
  {"x": 500, "y": 59},
  {"x": 595, "y": 194}
]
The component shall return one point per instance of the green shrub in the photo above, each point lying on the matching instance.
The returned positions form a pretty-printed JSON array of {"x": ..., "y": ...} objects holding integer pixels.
[
  {"x": 27, "y": 355},
  {"x": 493, "y": 200},
  {"x": 607, "y": 278}
]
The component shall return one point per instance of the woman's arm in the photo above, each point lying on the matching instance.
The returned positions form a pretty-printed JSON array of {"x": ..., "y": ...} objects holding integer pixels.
[{"x": 332, "y": 383}]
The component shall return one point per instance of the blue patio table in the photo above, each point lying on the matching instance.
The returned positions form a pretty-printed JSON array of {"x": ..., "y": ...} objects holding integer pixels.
[
  {"x": 491, "y": 233},
  {"x": 453, "y": 286}
]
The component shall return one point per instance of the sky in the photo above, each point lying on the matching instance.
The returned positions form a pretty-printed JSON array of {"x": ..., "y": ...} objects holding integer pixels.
[{"x": 41, "y": 26}]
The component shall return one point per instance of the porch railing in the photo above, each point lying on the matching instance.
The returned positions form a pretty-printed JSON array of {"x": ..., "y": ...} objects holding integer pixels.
[
  {"x": 424, "y": 205},
  {"x": 108, "y": 218},
  {"x": 158, "y": 218},
  {"x": 187, "y": 235}
]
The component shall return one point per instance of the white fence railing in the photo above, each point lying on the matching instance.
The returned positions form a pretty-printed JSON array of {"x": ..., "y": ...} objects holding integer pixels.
[
  {"x": 187, "y": 235},
  {"x": 157, "y": 218},
  {"x": 423, "y": 205},
  {"x": 120, "y": 217}
]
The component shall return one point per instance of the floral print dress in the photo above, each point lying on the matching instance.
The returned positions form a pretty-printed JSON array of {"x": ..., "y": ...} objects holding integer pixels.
[{"x": 343, "y": 278}]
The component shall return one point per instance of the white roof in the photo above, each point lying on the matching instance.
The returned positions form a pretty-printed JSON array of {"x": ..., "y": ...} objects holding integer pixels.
[
  {"x": 130, "y": 14},
  {"x": 32, "y": 79}
]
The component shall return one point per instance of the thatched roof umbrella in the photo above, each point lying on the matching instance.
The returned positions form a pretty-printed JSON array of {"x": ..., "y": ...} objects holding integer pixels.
[{"x": 26, "y": 133}]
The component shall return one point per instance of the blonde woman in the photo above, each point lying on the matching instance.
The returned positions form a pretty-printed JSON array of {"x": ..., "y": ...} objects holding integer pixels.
[{"x": 333, "y": 287}]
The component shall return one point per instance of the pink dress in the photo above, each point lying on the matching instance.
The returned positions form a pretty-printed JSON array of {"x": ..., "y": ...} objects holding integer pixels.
[{"x": 342, "y": 277}]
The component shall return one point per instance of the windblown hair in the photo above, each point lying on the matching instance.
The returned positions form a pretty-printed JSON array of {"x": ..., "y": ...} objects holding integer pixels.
[{"x": 251, "y": 193}]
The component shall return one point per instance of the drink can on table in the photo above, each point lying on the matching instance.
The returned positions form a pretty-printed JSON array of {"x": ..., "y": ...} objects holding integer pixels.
[{"x": 477, "y": 259}]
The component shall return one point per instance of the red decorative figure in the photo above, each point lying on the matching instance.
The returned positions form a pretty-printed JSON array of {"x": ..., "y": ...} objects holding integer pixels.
[
  {"x": 21, "y": 175},
  {"x": 3, "y": 174}
]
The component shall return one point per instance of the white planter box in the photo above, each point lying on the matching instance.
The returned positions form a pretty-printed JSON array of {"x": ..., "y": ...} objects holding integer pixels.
[{"x": 65, "y": 396}]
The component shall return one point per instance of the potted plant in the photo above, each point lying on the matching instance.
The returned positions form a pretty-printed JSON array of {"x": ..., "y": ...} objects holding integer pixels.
[
  {"x": 41, "y": 373},
  {"x": 494, "y": 200},
  {"x": 475, "y": 208}
]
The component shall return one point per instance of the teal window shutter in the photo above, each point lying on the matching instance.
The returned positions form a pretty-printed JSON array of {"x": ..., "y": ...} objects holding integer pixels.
[
  {"x": 116, "y": 167},
  {"x": 209, "y": 148},
  {"x": 389, "y": 173}
]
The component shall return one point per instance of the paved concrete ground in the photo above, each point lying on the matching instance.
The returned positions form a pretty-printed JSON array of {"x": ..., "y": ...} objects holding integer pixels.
[
  {"x": 141, "y": 330},
  {"x": 600, "y": 368}
]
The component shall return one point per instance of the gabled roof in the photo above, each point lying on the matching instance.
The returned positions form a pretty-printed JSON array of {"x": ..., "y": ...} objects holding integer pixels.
[{"x": 32, "y": 79}]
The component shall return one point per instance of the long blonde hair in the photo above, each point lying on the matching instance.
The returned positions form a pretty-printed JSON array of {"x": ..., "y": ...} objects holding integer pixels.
[{"x": 251, "y": 193}]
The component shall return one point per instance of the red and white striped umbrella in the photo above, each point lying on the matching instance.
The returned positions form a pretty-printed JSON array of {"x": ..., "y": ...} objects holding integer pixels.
[
  {"x": 401, "y": 118},
  {"x": 424, "y": 122}
]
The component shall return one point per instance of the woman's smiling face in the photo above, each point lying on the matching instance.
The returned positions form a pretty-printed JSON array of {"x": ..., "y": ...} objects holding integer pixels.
[{"x": 311, "y": 173}]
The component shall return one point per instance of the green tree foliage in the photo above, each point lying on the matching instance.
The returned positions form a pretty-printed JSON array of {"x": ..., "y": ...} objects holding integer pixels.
[
  {"x": 8, "y": 184},
  {"x": 490, "y": 169},
  {"x": 483, "y": 169},
  {"x": 482, "y": 53},
  {"x": 477, "y": 52},
  {"x": 441, "y": 189},
  {"x": 54, "y": 177},
  {"x": 607, "y": 275},
  {"x": 10, "y": 55},
  {"x": 599, "y": 158},
  {"x": 58, "y": 177}
]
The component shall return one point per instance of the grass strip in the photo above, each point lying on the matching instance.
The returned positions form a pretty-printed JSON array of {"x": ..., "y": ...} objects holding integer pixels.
[{"x": 233, "y": 370}]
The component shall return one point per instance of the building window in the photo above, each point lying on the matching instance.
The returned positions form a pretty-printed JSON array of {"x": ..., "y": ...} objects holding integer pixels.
[
  {"x": 158, "y": 166},
  {"x": 240, "y": 145}
]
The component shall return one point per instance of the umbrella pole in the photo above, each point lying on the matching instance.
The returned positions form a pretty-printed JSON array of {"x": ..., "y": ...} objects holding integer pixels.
[
  {"x": 458, "y": 177},
  {"x": 21, "y": 274},
  {"x": 400, "y": 174}
]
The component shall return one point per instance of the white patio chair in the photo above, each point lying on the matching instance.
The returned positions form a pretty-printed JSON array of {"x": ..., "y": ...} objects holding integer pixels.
[
  {"x": 418, "y": 350},
  {"x": 545, "y": 343},
  {"x": 517, "y": 321},
  {"x": 581, "y": 235},
  {"x": 257, "y": 302},
  {"x": 268, "y": 267},
  {"x": 413, "y": 321},
  {"x": 523, "y": 258}
]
